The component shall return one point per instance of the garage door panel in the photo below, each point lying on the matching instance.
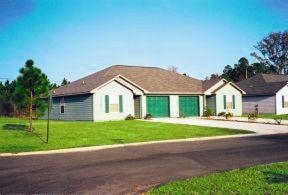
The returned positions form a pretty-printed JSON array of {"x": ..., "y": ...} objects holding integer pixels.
[
  {"x": 189, "y": 106},
  {"x": 158, "y": 106}
]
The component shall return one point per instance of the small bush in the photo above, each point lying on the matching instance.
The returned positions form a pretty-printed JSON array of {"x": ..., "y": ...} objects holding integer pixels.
[
  {"x": 228, "y": 115},
  {"x": 252, "y": 116},
  {"x": 221, "y": 113},
  {"x": 278, "y": 120},
  {"x": 148, "y": 116},
  {"x": 182, "y": 116},
  {"x": 208, "y": 112},
  {"x": 129, "y": 117}
]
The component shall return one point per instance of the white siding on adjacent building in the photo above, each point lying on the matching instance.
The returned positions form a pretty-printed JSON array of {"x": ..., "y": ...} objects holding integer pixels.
[
  {"x": 279, "y": 94},
  {"x": 113, "y": 89}
]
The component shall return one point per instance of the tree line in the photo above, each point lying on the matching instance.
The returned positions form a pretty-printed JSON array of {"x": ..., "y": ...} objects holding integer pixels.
[
  {"x": 271, "y": 56},
  {"x": 27, "y": 94}
]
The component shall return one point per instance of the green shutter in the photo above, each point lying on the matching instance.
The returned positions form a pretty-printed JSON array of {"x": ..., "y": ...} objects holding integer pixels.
[
  {"x": 233, "y": 101},
  {"x": 224, "y": 99},
  {"x": 283, "y": 101},
  {"x": 120, "y": 103},
  {"x": 107, "y": 103}
]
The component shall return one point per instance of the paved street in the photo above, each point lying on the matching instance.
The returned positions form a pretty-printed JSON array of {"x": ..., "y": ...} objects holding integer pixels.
[{"x": 135, "y": 168}]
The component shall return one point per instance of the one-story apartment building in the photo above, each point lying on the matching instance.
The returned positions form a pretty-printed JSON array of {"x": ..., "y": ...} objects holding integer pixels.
[
  {"x": 119, "y": 90},
  {"x": 265, "y": 93}
]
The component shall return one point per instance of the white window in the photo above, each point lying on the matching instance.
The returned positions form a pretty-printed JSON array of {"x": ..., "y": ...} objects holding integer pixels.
[
  {"x": 229, "y": 101},
  {"x": 114, "y": 103},
  {"x": 284, "y": 101}
]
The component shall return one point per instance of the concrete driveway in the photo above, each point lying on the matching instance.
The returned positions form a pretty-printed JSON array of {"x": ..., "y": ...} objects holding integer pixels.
[{"x": 262, "y": 129}]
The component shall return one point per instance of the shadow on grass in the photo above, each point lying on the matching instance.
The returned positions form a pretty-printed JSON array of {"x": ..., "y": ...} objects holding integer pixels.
[
  {"x": 40, "y": 137},
  {"x": 15, "y": 127},
  {"x": 118, "y": 141},
  {"x": 276, "y": 178},
  {"x": 19, "y": 127}
]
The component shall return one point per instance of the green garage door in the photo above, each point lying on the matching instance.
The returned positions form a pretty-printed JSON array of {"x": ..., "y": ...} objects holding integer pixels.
[
  {"x": 189, "y": 105},
  {"x": 158, "y": 106}
]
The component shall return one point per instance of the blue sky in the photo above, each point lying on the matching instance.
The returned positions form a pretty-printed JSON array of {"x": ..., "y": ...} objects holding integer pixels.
[{"x": 73, "y": 38}]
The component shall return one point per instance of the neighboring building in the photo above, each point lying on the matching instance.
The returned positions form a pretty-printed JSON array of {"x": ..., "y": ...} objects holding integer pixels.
[
  {"x": 223, "y": 96},
  {"x": 117, "y": 91},
  {"x": 265, "y": 93}
]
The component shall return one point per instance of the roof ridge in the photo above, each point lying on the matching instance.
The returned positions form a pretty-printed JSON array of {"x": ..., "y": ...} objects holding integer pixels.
[
  {"x": 140, "y": 66},
  {"x": 136, "y": 66}
]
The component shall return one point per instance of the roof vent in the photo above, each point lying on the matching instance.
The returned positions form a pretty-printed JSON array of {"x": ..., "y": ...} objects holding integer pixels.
[{"x": 83, "y": 82}]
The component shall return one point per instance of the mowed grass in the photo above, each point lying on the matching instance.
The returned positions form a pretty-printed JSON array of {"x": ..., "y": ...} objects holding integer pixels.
[
  {"x": 15, "y": 138},
  {"x": 270, "y": 116},
  {"x": 263, "y": 179}
]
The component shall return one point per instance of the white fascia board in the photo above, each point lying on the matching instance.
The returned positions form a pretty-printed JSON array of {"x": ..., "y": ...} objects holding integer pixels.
[
  {"x": 234, "y": 85},
  {"x": 279, "y": 91},
  {"x": 215, "y": 86},
  {"x": 129, "y": 81},
  {"x": 116, "y": 78}
]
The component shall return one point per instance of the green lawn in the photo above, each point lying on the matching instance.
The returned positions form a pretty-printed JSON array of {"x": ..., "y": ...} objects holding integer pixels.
[
  {"x": 271, "y": 116},
  {"x": 263, "y": 179},
  {"x": 15, "y": 138}
]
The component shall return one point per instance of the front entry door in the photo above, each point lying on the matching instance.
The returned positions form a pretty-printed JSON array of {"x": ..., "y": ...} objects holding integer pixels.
[{"x": 137, "y": 106}]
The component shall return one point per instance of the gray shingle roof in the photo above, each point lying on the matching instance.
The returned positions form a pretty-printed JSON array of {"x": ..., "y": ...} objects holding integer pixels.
[
  {"x": 263, "y": 84},
  {"x": 209, "y": 83},
  {"x": 152, "y": 79}
]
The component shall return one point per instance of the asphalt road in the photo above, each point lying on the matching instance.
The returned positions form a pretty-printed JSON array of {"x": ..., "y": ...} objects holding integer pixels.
[{"x": 137, "y": 168}]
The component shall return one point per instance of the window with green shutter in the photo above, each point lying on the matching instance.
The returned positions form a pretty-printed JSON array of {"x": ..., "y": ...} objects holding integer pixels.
[
  {"x": 233, "y": 101},
  {"x": 120, "y": 103},
  {"x": 107, "y": 103},
  {"x": 283, "y": 101},
  {"x": 224, "y": 101}
]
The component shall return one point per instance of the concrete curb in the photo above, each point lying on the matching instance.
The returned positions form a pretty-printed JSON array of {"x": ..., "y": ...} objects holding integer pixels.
[{"x": 95, "y": 148}]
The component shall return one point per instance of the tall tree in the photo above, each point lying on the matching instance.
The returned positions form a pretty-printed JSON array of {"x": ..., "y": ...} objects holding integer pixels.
[
  {"x": 1, "y": 99},
  {"x": 213, "y": 76},
  {"x": 274, "y": 51},
  {"x": 32, "y": 84},
  {"x": 228, "y": 73},
  {"x": 243, "y": 70},
  {"x": 53, "y": 86},
  {"x": 6, "y": 98},
  {"x": 243, "y": 65},
  {"x": 259, "y": 67},
  {"x": 65, "y": 82}
]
